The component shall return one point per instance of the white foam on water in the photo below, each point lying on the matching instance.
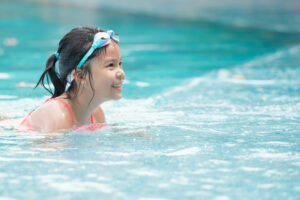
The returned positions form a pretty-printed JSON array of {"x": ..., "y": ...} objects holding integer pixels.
[
  {"x": 112, "y": 163},
  {"x": 8, "y": 96},
  {"x": 278, "y": 143},
  {"x": 294, "y": 50},
  {"x": 278, "y": 156},
  {"x": 187, "y": 127},
  {"x": 191, "y": 84},
  {"x": 265, "y": 186},
  {"x": 228, "y": 144},
  {"x": 297, "y": 188},
  {"x": 250, "y": 82},
  {"x": 220, "y": 162},
  {"x": 102, "y": 178},
  {"x": 106, "y": 163},
  {"x": 200, "y": 171},
  {"x": 91, "y": 175},
  {"x": 6, "y": 159},
  {"x": 51, "y": 177},
  {"x": 142, "y": 84},
  {"x": 18, "y": 105},
  {"x": 224, "y": 170},
  {"x": 265, "y": 59},
  {"x": 163, "y": 185},
  {"x": 79, "y": 186},
  {"x": 251, "y": 169},
  {"x": 207, "y": 187},
  {"x": 26, "y": 177},
  {"x": 181, "y": 180},
  {"x": 6, "y": 198},
  {"x": 122, "y": 154},
  {"x": 210, "y": 180},
  {"x": 184, "y": 152},
  {"x": 198, "y": 193},
  {"x": 4, "y": 75},
  {"x": 152, "y": 198},
  {"x": 296, "y": 163},
  {"x": 25, "y": 152},
  {"x": 13, "y": 181},
  {"x": 224, "y": 74},
  {"x": 145, "y": 172},
  {"x": 3, "y": 175},
  {"x": 221, "y": 198},
  {"x": 264, "y": 154},
  {"x": 8, "y": 142},
  {"x": 270, "y": 173},
  {"x": 259, "y": 61},
  {"x": 138, "y": 113}
]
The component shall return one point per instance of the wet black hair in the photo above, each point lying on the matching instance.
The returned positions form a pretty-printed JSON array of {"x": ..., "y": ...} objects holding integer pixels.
[{"x": 72, "y": 47}]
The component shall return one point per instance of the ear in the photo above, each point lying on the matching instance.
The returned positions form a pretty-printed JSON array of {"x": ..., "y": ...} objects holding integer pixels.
[{"x": 78, "y": 76}]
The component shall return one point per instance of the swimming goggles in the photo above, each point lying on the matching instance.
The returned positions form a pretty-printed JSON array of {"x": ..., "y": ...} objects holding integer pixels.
[{"x": 101, "y": 39}]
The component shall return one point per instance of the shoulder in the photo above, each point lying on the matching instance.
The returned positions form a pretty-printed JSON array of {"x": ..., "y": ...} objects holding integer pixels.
[
  {"x": 51, "y": 116},
  {"x": 99, "y": 115}
]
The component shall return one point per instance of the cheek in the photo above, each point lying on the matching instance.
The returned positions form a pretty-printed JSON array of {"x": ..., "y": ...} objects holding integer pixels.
[{"x": 103, "y": 80}]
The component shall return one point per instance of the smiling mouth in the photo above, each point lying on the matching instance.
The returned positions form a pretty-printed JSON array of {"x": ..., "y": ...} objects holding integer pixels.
[{"x": 118, "y": 87}]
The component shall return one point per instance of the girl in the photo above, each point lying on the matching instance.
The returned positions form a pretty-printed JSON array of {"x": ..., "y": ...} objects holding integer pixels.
[{"x": 89, "y": 73}]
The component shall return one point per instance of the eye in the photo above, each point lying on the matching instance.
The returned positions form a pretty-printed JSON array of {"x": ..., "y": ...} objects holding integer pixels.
[
  {"x": 120, "y": 63},
  {"x": 110, "y": 65}
]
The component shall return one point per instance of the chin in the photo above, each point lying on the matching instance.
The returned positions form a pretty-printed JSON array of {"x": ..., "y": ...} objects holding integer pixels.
[{"x": 117, "y": 97}]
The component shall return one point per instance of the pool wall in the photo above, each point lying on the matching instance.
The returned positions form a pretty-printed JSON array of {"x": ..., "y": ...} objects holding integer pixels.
[{"x": 276, "y": 15}]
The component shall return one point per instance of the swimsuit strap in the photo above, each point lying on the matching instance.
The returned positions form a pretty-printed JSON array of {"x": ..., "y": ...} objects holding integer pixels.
[
  {"x": 67, "y": 106},
  {"x": 92, "y": 118}
]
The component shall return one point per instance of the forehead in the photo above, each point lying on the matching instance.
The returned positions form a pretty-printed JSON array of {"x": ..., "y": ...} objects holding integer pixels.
[{"x": 112, "y": 52}]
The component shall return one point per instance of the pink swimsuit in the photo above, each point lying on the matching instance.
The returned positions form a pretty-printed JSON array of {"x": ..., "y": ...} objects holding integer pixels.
[{"x": 25, "y": 124}]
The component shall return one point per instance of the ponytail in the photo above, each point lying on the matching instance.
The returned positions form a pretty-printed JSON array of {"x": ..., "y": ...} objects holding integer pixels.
[{"x": 50, "y": 72}]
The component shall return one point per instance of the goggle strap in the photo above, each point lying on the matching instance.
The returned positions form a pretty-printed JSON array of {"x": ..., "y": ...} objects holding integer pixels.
[
  {"x": 56, "y": 55},
  {"x": 85, "y": 57}
]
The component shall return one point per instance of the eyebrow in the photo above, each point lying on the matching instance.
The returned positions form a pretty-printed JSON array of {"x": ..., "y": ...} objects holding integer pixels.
[{"x": 113, "y": 59}]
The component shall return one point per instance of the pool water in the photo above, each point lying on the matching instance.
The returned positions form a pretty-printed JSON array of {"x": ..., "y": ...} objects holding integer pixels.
[{"x": 208, "y": 111}]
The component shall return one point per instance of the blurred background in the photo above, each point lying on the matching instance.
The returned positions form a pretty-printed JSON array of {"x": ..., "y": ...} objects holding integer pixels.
[
  {"x": 162, "y": 42},
  {"x": 274, "y": 15}
]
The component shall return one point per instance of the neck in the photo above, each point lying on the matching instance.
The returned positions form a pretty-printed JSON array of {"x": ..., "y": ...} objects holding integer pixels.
[{"x": 82, "y": 106}]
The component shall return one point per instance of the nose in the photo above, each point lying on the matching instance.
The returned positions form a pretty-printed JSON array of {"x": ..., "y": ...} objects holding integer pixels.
[{"x": 120, "y": 75}]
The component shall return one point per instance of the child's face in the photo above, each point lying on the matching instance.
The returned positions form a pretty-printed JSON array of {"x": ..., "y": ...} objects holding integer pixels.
[{"x": 107, "y": 73}]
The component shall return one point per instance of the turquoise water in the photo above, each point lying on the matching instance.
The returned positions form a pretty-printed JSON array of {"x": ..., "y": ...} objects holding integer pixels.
[{"x": 209, "y": 111}]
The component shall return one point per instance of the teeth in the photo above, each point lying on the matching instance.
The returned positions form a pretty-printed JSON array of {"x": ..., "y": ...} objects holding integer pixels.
[{"x": 117, "y": 85}]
